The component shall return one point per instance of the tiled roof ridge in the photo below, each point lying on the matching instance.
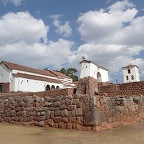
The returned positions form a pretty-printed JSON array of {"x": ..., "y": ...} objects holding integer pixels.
[
  {"x": 130, "y": 65},
  {"x": 59, "y": 74},
  {"x": 28, "y": 69},
  {"x": 22, "y": 75}
]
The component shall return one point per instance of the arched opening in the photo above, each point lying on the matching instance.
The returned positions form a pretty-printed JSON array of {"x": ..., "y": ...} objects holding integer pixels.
[
  {"x": 52, "y": 87},
  {"x": 99, "y": 77},
  {"x": 57, "y": 87},
  {"x": 47, "y": 87}
]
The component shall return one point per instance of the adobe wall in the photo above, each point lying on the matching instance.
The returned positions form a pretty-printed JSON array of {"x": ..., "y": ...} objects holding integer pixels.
[
  {"x": 125, "y": 89},
  {"x": 5, "y": 87},
  {"x": 78, "y": 111}
]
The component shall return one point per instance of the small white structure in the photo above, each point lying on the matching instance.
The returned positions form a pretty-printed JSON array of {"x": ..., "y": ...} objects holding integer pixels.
[
  {"x": 14, "y": 77},
  {"x": 89, "y": 68},
  {"x": 130, "y": 73}
]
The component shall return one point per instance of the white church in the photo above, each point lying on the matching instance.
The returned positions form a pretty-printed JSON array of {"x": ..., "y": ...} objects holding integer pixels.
[
  {"x": 14, "y": 77},
  {"x": 91, "y": 69}
]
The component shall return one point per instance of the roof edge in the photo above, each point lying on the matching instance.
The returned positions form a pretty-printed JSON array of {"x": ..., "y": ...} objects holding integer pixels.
[
  {"x": 128, "y": 66},
  {"x": 87, "y": 61}
]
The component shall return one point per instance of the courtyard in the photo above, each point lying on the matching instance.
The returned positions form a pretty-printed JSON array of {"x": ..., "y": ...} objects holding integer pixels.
[{"x": 18, "y": 134}]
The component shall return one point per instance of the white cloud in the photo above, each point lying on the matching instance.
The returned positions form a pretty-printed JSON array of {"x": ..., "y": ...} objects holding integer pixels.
[
  {"x": 63, "y": 29},
  {"x": 20, "y": 36},
  {"x": 15, "y": 2},
  {"x": 100, "y": 26},
  {"x": 113, "y": 37},
  {"x": 22, "y": 26}
]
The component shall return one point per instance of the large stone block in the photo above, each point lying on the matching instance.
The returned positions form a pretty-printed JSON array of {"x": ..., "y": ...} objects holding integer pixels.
[{"x": 91, "y": 117}]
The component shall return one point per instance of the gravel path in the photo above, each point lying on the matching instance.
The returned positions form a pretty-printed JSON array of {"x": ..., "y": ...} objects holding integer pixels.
[{"x": 16, "y": 134}]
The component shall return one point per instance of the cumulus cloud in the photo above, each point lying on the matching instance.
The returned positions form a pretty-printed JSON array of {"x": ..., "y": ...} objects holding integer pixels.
[
  {"x": 103, "y": 26},
  {"x": 63, "y": 29},
  {"x": 15, "y": 2},
  {"x": 113, "y": 36},
  {"x": 22, "y": 26},
  {"x": 21, "y": 42}
]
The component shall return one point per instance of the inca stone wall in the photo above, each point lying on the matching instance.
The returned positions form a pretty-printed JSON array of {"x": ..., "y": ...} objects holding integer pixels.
[
  {"x": 125, "y": 89},
  {"x": 77, "y": 111}
]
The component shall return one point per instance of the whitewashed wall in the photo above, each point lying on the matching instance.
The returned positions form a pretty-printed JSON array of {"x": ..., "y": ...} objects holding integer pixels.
[
  {"x": 90, "y": 69},
  {"x": 133, "y": 71},
  {"x": 4, "y": 74},
  {"x": 24, "y": 84}
]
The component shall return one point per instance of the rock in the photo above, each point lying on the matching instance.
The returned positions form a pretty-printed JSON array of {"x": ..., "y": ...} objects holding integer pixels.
[
  {"x": 79, "y": 112},
  {"x": 65, "y": 120},
  {"x": 69, "y": 126},
  {"x": 91, "y": 117},
  {"x": 50, "y": 122},
  {"x": 42, "y": 123}
]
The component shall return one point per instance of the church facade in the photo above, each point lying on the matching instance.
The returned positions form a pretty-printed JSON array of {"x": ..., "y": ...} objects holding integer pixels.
[
  {"x": 14, "y": 77},
  {"x": 91, "y": 69}
]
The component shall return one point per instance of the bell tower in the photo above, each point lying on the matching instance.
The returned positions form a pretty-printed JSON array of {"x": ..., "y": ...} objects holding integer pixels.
[{"x": 130, "y": 73}]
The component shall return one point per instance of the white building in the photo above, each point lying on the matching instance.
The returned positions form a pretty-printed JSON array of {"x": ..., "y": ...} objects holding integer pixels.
[
  {"x": 14, "y": 77},
  {"x": 91, "y": 69},
  {"x": 130, "y": 73}
]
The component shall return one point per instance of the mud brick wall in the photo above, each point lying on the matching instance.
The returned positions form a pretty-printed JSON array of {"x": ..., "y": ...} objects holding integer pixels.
[
  {"x": 88, "y": 86},
  {"x": 125, "y": 89},
  {"x": 5, "y": 87},
  {"x": 83, "y": 112}
]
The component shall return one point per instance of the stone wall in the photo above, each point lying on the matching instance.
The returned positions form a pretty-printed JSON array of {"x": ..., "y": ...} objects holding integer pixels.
[
  {"x": 51, "y": 93},
  {"x": 125, "y": 89},
  {"x": 88, "y": 86},
  {"x": 78, "y": 111}
]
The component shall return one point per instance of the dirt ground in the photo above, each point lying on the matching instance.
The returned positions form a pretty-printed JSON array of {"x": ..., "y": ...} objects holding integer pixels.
[{"x": 16, "y": 134}]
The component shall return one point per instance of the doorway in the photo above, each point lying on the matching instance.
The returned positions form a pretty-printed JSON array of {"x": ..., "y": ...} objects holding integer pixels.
[
  {"x": 0, "y": 88},
  {"x": 99, "y": 77}
]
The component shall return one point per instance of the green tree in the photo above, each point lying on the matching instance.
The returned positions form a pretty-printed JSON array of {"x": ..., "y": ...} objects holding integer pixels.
[
  {"x": 63, "y": 71},
  {"x": 71, "y": 72}
]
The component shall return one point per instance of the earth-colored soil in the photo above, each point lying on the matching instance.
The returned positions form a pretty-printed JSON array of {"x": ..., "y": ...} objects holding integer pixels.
[{"x": 16, "y": 134}]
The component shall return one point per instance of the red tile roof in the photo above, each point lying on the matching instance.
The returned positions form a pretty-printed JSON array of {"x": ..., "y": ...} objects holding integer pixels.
[
  {"x": 13, "y": 66},
  {"x": 59, "y": 74},
  {"x": 36, "y": 78},
  {"x": 130, "y": 65}
]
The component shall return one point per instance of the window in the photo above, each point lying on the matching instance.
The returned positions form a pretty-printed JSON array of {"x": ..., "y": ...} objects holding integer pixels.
[
  {"x": 129, "y": 71},
  {"x": 126, "y": 77},
  {"x": 132, "y": 77}
]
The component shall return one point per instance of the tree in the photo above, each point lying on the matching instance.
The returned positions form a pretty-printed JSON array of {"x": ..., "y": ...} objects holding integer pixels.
[
  {"x": 71, "y": 72},
  {"x": 46, "y": 68},
  {"x": 63, "y": 71}
]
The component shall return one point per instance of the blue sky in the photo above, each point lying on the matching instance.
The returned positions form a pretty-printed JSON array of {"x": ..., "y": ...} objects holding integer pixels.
[{"x": 56, "y": 34}]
